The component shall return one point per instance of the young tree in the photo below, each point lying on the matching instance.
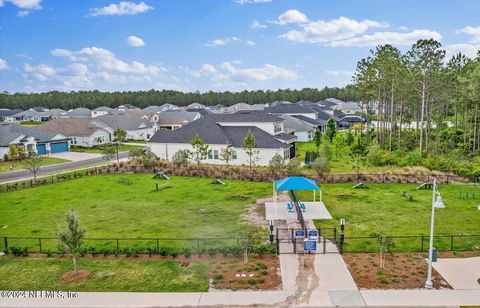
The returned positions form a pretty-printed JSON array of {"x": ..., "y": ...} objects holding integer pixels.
[
  {"x": 180, "y": 158},
  {"x": 331, "y": 129},
  {"x": 71, "y": 236},
  {"x": 32, "y": 163},
  {"x": 108, "y": 152},
  {"x": 148, "y": 159},
  {"x": 13, "y": 154},
  {"x": 327, "y": 150},
  {"x": 350, "y": 138},
  {"x": 276, "y": 164},
  {"x": 385, "y": 244},
  {"x": 339, "y": 144},
  {"x": 317, "y": 139},
  {"x": 119, "y": 136},
  {"x": 248, "y": 240},
  {"x": 249, "y": 145},
  {"x": 358, "y": 152},
  {"x": 226, "y": 154},
  {"x": 294, "y": 167},
  {"x": 200, "y": 149},
  {"x": 321, "y": 166}
]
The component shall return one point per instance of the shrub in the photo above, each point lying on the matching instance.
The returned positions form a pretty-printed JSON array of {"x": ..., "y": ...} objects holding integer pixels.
[
  {"x": 321, "y": 166},
  {"x": 375, "y": 155},
  {"x": 187, "y": 253},
  {"x": 19, "y": 251},
  {"x": 173, "y": 253},
  {"x": 163, "y": 252},
  {"x": 293, "y": 167},
  {"x": 252, "y": 281},
  {"x": 261, "y": 266}
]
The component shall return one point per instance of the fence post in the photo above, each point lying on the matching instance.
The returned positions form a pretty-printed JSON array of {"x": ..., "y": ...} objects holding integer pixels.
[
  {"x": 40, "y": 244},
  {"x": 198, "y": 245},
  {"x": 335, "y": 234},
  {"x": 118, "y": 246},
  {"x": 5, "y": 239},
  {"x": 158, "y": 246},
  {"x": 451, "y": 243},
  {"x": 278, "y": 242},
  {"x": 421, "y": 249}
]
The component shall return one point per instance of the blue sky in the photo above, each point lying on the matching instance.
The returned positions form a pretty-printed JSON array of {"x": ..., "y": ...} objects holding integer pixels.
[{"x": 214, "y": 45}]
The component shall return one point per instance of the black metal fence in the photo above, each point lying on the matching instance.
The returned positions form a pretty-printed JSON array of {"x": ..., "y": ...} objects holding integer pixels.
[
  {"x": 415, "y": 243},
  {"x": 225, "y": 245}
]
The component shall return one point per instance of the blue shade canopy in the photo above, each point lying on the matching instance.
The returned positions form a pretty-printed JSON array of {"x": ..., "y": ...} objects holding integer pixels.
[{"x": 295, "y": 183}]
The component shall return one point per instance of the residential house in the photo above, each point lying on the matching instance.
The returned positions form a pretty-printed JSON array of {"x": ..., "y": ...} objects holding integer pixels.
[
  {"x": 293, "y": 109},
  {"x": 196, "y": 106},
  {"x": 102, "y": 111},
  {"x": 33, "y": 114},
  {"x": 56, "y": 113},
  {"x": 83, "y": 132},
  {"x": 8, "y": 115},
  {"x": 150, "y": 116},
  {"x": 78, "y": 113},
  {"x": 137, "y": 128},
  {"x": 303, "y": 130},
  {"x": 220, "y": 131},
  {"x": 175, "y": 119},
  {"x": 31, "y": 140},
  {"x": 126, "y": 107}
]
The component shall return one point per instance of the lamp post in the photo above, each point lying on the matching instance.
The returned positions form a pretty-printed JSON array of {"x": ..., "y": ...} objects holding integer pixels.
[{"x": 437, "y": 202}]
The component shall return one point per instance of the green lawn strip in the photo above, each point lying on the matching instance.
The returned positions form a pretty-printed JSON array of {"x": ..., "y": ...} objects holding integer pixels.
[
  {"x": 191, "y": 207},
  {"x": 6, "y": 166},
  {"x": 107, "y": 275},
  {"x": 97, "y": 149},
  {"x": 384, "y": 208}
]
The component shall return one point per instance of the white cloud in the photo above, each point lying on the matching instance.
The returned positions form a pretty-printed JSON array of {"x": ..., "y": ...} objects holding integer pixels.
[
  {"x": 338, "y": 73},
  {"x": 229, "y": 40},
  {"x": 473, "y": 31},
  {"x": 105, "y": 59},
  {"x": 40, "y": 72},
  {"x": 122, "y": 8},
  {"x": 291, "y": 16},
  {"x": 394, "y": 38},
  {"x": 327, "y": 31},
  {"x": 3, "y": 64},
  {"x": 252, "y": 1},
  {"x": 257, "y": 25},
  {"x": 23, "y": 13},
  {"x": 229, "y": 73},
  {"x": 24, "y": 4},
  {"x": 135, "y": 41},
  {"x": 470, "y": 50}
]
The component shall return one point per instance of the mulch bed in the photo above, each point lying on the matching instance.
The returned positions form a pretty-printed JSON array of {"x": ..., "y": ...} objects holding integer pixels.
[
  {"x": 401, "y": 271},
  {"x": 75, "y": 277},
  {"x": 260, "y": 273}
]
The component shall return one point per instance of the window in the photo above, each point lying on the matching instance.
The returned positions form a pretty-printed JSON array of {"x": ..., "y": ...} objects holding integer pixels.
[
  {"x": 215, "y": 154},
  {"x": 210, "y": 156},
  {"x": 286, "y": 154},
  {"x": 277, "y": 128},
  {"x": 234, "y": 154}
]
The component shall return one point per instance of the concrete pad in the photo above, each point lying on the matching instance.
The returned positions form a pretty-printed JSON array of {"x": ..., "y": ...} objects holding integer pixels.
[
  {"x": 75, "y": 156},
  {"x": 460, "y": 273},
  {"x": 440, "y": 298},
  {"x": 346, "y": 298},
  {"x": 289, "y": 271},
  {"x": 333, "y": 273},
  {"x": 314, "y": 210}
]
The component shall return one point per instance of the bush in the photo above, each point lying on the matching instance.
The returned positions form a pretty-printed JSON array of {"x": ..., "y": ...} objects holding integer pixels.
[
  {"x": 18, "y": 251},
  {"x": 375, "y": 155},
  {"x": 173, "y": 253},
  {"x": 321, "y": 166},
  {"x": 252, "y": 281},
  {"x": 187, "y": 253},
  {"x": 163, "y": 252},
  {"x": 180, "y": 158},
  {"x": 293, "y": 167}
]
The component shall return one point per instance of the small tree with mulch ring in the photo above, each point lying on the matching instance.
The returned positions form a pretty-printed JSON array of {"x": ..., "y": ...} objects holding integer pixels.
[{"x": 71, "y": 236}]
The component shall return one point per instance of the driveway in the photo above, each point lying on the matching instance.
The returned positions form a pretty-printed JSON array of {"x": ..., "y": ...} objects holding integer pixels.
[
  {"x": 460, "y": 273},
  {"x": 75, "y": 156}
]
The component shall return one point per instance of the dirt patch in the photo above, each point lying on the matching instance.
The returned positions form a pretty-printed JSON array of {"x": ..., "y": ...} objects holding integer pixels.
[
  {"x": 75, "y": 277},
  {"x": 401, "y": 271},
  {"x": 255, "y": 213},
  {"x": 260, "y": 273}
]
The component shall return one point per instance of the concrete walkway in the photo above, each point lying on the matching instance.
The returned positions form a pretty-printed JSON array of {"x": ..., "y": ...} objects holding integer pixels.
[
  {"x": 75, "y": 156},
  {"x": 460, "y": 273}
]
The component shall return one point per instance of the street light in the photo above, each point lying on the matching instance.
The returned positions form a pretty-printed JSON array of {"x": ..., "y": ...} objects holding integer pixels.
[{"x": 437, "y": 202}]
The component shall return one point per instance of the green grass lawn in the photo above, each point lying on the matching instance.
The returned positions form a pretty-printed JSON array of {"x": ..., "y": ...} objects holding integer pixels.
[
  {"x": 7, "y": 166},
  {"x": 97, "y": 149},
  {"x": 192, "y": 207},
  {"x": 127, "y": 275},
  {"x": 384, "y": 208}
]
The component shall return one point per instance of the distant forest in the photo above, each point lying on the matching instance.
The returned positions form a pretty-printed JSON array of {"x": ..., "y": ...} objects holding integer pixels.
[{"x": 94, "y": 99}]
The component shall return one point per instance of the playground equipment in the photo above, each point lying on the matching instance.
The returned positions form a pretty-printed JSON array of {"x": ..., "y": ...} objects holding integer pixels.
[
  {"x": 217, "y": 182},
  {"x": 161, "y": 176},
  {"x": 468, "y": 195},
  {"x": 360, "y": 186},
  {"x": 124, "y": 181},
  {"x": 162, "y": 186},
  {"x": 426, "y": 186},
  {"x": 409, "y": 197}
]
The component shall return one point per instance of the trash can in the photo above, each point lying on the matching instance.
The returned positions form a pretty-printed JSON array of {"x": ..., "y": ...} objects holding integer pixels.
[{"x": 434, "y": 254}]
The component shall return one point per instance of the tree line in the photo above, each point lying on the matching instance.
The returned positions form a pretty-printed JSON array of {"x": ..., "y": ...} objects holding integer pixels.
[
  {"x": 94, "y": 99},
  {"x": 439, "y": 96}
]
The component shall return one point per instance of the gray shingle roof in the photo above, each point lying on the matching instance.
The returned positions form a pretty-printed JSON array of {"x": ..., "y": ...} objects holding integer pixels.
[
  {"x": 316, "y": 122},
  {"x": 70, "y": 126},
  {"x": 289, "y": 108},
  {"x": 9, "y": 112},
  {"x": 176, "y": 117},
  {"x": 125, "y": 121},
  {"x": 103, "y": 108},
  {"x": 214, "y": 133},
  {"x": 10, "y": 131},
  {"x": 252, "y": 116},
  {"x": 294, "y": 124},
  {"x": 79, "y": 112}
]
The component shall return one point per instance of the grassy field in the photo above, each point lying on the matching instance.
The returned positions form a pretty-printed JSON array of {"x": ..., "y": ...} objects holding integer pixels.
[
  {"x": 384, "y": 208},
  {"x": 192, "y": 207},
  {"x": 127, "y": 275},
  {"x": 97, "y": 149},
  {"x": 7, "y": 166}
]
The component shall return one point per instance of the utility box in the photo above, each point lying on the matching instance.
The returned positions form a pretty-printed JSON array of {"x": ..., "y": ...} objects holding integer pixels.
[{"x": 434, "y": 254}]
